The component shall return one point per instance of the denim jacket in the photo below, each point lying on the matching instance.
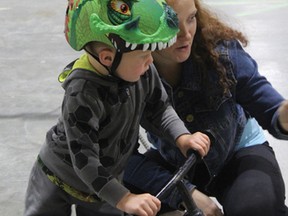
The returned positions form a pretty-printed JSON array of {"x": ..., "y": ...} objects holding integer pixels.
[{"x": 225, "y": 116}]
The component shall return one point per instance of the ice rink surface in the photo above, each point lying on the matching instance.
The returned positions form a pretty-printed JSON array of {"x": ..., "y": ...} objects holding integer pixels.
[{"x": 33, "y": 52}]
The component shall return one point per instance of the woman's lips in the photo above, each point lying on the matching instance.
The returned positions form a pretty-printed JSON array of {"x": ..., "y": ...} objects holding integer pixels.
[{"x": 183, "y": 48}]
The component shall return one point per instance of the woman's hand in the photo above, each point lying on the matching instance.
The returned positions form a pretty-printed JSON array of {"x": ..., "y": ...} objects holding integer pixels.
[{"x": 206, "y": 204}]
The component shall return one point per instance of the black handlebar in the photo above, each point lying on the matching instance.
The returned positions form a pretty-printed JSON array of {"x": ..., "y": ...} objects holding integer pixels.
[
  {"x": 177, "y": 180},
  {"x": 192, "y": 159}
]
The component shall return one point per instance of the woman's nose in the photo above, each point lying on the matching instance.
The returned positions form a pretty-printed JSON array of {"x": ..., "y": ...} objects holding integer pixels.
[{"x": 184, "y": 32}]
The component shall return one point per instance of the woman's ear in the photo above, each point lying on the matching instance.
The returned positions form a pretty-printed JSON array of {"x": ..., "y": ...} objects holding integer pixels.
[{"x": 106, "y": 57}]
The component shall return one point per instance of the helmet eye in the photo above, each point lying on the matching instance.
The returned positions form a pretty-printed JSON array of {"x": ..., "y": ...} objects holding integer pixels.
[
  {"x": 121, "y": 7},
  {"x": 119, "y": 11},
  {"x": 124, "y": 8}
]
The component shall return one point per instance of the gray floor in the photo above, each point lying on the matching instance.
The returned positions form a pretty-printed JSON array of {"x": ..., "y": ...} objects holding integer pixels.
[{"x": 33, "y": 51}]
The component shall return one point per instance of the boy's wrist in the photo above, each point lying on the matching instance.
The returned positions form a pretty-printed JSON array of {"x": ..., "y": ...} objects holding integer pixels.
[{"x": 180, "y": 138}]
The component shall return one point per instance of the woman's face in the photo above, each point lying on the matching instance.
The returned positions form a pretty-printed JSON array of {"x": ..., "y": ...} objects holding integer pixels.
[{"x": 180, "y": 51}]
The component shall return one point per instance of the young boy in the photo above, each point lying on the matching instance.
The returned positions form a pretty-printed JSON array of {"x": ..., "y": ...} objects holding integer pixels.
[{"x": 109, "y": 91}]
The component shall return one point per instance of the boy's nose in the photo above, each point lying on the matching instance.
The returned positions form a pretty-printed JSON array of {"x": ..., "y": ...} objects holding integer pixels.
[{"x": 150, "y": 59}]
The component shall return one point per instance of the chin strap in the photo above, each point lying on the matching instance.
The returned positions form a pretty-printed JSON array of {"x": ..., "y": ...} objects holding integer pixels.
[
  {"x": 112, "y": 69},
  {"x": 115, "y": 63}
]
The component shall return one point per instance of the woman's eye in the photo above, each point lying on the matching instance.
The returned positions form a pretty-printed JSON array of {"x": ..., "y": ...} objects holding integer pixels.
[{"x": 191, "y": 18}]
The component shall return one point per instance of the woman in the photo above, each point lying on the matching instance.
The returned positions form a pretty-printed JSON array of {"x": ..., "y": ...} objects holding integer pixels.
[{"x": 214, "y": 84}]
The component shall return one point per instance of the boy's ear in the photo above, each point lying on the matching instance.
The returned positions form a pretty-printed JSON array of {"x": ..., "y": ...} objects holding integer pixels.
[{"x": 106, "y": 57}]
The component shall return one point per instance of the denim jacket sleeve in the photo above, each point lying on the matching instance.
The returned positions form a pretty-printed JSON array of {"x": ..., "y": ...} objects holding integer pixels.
[{"x": 254, "y": 92}]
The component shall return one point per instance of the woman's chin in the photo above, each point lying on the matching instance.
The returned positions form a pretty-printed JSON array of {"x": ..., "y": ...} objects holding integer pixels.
[{"x": 183, "y": 53}]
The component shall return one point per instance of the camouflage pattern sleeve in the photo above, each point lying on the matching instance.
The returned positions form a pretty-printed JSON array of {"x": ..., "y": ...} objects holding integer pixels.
[{"x": 82, "y": 114}]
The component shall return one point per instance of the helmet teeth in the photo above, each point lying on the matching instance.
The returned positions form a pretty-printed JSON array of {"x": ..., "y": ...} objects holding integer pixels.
[
  {"x": 153, "y": 46},
  {"x": 115, "y": 44},
  {"x": 160, "y": 45},
  {"x": 146, "y": 47},
  {"x": 133, "y": 46},
  {"x": 170, "y": 42},
  {"x": 165, "y": 45},
  {"x": 127, "y": 44}
]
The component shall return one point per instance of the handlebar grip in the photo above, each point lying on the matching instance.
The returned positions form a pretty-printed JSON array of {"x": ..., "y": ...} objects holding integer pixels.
[
  {"x": 191, "y": 152},
  {"x": 210, "y": 134}
]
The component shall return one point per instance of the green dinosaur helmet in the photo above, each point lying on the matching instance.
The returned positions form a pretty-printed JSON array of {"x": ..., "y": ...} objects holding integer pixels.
[{"x": 126, "y": 25}]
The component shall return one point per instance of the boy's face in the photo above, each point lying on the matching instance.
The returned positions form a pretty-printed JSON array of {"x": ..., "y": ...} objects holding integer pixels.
[{"x": 134, "y": 64}]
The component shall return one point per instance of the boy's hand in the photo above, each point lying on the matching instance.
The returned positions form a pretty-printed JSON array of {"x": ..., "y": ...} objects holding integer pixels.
[
  {"x": 139, "y": 204},
  {"x": 198, "y": 141},
  {"x": 283, "y": 115}
]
